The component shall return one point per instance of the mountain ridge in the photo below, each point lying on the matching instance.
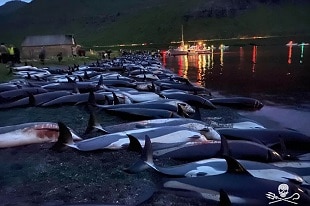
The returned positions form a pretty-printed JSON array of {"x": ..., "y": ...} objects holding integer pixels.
[{"x": 155, "y": 21}]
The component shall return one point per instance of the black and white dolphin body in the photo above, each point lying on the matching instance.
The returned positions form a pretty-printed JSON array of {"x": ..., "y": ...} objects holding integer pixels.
[
  {"x": 253, "y": 184},
  {"x": 295, "y": 142},
  {"x": 241, "y": 187},
  {"x": 93, "y": 124},
  {"x": 74, "y": 99},
  {"x": 239, "y": 149},
  {"x": 213, "y": 166},
  {"x": 191, "y": 99},
  {"x": 166, "y": 136},
  {"x": 300, "y": 167}
]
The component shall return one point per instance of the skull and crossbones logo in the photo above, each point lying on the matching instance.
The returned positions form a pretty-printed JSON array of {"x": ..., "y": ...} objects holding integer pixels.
[{"x": 283, "y": 192}]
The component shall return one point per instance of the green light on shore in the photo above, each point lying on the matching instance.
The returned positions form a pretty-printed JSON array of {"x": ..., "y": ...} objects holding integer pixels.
[{"x": 301, "y": 53}]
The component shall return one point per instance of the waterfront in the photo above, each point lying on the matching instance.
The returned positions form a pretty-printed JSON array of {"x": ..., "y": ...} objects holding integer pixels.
[{"x": 277, "y": 74}]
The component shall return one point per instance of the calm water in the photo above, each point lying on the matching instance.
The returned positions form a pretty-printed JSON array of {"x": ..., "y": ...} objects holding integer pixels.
[
  {"x": 278, "y": 75},
  {"x": 248, "y": 69}
]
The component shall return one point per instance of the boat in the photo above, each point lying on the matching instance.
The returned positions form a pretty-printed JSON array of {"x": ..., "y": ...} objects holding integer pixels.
[
  {"x": 180, "y": 50},
  {"x": 200, "y": 48},
  {"x": 183, "y": 49}
]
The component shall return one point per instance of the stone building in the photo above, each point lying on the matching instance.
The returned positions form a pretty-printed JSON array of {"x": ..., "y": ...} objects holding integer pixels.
[{"x": 52, "y": 44}]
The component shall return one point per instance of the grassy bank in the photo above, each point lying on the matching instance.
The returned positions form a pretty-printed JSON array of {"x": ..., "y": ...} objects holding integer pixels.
[
  {"x": 4, "y": 73},
  {"x": 53, "y": 61}
]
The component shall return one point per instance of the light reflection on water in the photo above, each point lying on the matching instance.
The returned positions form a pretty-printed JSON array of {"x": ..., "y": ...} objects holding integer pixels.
[
  {"x": 247, "y": 69},
  {"x": 277, "y": 75}
]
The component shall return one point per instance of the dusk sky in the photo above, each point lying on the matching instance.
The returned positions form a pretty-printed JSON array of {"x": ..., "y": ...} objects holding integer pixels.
[{"x": 4, "y": 1}]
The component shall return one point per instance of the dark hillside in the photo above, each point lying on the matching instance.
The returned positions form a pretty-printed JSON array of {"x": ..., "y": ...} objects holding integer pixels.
[
  {"x": 110, "y": 22},
  {"x": 11, "y": 7}
]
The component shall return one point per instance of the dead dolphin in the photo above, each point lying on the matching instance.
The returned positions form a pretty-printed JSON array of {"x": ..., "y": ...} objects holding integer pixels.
[
  {"x": 212, "y": 166},
  {"x": 30, "y": 133},
  {"x": 241, "y": 187},
  {"x": 169, "y": 135},
  {"x": 238, "y": 102}
]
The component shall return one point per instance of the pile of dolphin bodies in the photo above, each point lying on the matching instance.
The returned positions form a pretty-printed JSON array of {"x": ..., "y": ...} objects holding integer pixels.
[{"x": 269, "y": 166}]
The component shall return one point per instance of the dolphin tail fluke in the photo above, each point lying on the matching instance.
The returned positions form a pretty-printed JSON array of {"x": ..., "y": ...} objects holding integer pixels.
[
  {"x": 93, "y": 123},
  {"x": 64, "y": 138},
  {"x": 146, "y": 159}
]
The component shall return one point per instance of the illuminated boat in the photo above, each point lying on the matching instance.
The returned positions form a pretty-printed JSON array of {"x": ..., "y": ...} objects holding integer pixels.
[
  {"x": 200, "y": 48},
  {"x": 180, "y": 50}
]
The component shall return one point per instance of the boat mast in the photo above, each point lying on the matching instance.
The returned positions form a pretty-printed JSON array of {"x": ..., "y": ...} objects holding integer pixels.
[{"x": 182, "y": 41}]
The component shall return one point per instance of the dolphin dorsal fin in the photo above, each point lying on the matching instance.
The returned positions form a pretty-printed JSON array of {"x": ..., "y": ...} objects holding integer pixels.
[
  {"x": 147, "y": 152},
  {"x": 234, "y": 167},
  {"x": 80, "y": 78},
  {"x": 115, "y": 98},
  {"x": 100, "y": 81},
  {"x": 86, "y": 76},
  {"x": 64, "y": 138},
  {"x": 70, "y": 80},
  {"x": 224, "y": 150},
  {"x": 93, "y": 123},
  {"x": 32, "y": 100},
  {"x": 224, "y": 198},
  {"x": 91, "y": 98},
  {"x": 146, "y": 159},
  {"x": 134, "y": 144}
]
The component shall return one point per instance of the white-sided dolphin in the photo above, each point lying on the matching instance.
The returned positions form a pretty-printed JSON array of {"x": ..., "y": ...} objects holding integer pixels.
[
  {"x": 30, "y": 133},
  {"x": 212, "y": 166},
  {"x": 198, "y": 151},
  {"x": 241, "y": 187},
  {"x": 73, "y": 99},
  {"x": 93, "y": 124},
  {"x": 300, "y": 167},
  {"x": 194, "y": 100},
  {"x": 34, "y": 100},
  {"x": 162, "y": 135},
  {"x": 295, "y": 141}
]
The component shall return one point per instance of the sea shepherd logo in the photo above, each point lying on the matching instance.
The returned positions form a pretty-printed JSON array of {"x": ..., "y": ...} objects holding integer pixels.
[{"x": 283, "y": 192}]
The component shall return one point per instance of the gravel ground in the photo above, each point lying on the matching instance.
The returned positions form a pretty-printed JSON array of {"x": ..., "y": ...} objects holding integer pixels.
[{"x": 36, "y": 175}]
